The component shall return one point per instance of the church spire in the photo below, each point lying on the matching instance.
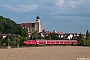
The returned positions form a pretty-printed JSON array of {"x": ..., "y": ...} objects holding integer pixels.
[
  {"x": 38, "y": 24},
  {"x": 37, "y": 19}
]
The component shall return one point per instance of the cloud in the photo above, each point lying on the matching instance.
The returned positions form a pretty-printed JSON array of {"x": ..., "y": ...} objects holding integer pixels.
[
  {"x": 73, "y": 3},
  {"x": 59, "y": 2},
  {"x": 78, "y": 8},
  {"x": 21, "y": 8}
]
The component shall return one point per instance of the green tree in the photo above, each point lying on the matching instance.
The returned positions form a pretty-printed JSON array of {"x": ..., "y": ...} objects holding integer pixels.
[
  {"x": 54, "y": 36},
  {"x": 48, "y": 37},
  {"x": 22, "y": 39},
  {"x": 88, "y": 42},
  {"x": 80, "y": 37},
  {"x": 9, "y": 26},
  {"x": 24, "y": 32},
  {"x": 35, "y": 35},
  {"x": 1, "y": 28},
  {"x": 87, "y": 35},
  {"x": 82, "y": 42}
]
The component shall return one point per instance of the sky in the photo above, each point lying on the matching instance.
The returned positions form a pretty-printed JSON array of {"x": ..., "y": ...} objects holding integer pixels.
[{"x": 69, "y": 16}]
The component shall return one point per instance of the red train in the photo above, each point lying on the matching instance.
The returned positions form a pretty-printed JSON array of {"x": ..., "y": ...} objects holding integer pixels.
[{"x": 50, "y": 42}]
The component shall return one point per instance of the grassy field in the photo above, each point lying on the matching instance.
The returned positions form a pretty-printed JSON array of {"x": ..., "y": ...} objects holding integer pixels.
[{"x": 45, "y": 53}]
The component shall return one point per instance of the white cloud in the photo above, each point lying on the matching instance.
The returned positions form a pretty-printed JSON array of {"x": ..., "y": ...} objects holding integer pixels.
[
  {"x": 59, "y": 2},
  {"x": 21, "y": 8},
  {"x": 73, "y": 3}
]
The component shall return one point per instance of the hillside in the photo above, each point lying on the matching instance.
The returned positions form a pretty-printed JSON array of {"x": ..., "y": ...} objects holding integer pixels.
[{"x": 9, "y": 26}]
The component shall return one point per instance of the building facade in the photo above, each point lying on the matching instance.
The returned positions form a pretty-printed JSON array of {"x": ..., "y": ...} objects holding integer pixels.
[{"x": 32, "y": 27}]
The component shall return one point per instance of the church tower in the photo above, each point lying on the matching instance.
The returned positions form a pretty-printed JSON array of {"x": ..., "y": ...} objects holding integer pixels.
[{"x": 38, "y": 24}]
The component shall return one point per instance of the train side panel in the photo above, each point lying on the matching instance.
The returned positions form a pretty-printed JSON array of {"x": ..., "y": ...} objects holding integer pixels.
[
  {"x": 49, "y": 42},
  {"x": 28, "y": 42}
]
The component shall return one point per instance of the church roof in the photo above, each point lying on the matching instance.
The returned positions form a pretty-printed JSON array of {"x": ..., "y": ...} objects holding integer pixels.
[{"x": 28, "y": 24}]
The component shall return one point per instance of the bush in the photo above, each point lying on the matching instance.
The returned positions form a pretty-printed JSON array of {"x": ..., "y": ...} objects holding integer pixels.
[{"x": 84, "y": 42}]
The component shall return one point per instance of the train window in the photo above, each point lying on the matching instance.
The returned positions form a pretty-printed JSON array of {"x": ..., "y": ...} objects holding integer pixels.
[
  {"x": 61, "y": 41},
  {"x": 68, "y": 41},
  {"x": 74, "y": 41},
  {"x": 53, "y": 41}
]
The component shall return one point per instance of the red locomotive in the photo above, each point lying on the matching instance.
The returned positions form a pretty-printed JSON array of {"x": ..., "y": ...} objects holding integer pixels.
[{"x": 50, "y": 42}]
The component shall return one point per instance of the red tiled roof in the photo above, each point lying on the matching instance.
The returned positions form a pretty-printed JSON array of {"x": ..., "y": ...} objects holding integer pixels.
[
  {"x": 29, "y": 33},
  {"x": 28, "y": 24},
  {"x": 3, "y": 34},
  {"x": 61, "y": 32}
]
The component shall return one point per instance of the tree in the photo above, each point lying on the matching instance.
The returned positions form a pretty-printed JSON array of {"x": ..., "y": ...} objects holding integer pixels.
[
  {"x": 80, "y": 37},
  {"x": 48, "y": 37},
  {"x": 9, "y": 26},
  {"x": 1, "y": 38},
  {"x": 87, "y": 35},
  {"x": 88, "y": 42},
  {"x": 35, "y": 35},
  {"x": 24, "y": 32},
  {"x": 54, "y": 36},
  {"x": 1, "y": 27},
  {"x": 84, "y": 41},
  {"x": 21, "y": 40}
]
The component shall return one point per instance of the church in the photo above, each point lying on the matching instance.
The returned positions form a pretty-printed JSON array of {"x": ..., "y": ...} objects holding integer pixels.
[{"x": 32, "y": 27}]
